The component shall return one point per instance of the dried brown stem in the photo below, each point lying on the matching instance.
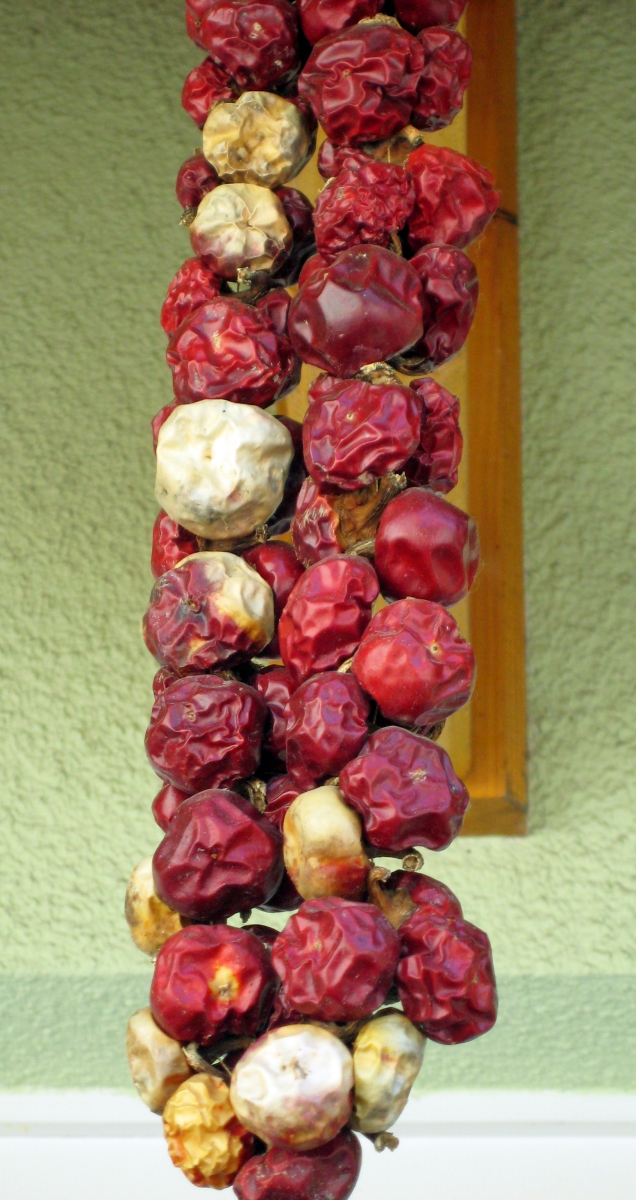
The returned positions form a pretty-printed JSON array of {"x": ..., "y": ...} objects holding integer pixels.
[
  {"x": 359, "y": 512},
  {"x": 232, "y": 545},
  {"x": 396, "y": 904}
]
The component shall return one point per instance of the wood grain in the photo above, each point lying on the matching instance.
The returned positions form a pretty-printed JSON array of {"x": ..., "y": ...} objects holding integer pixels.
[{"x": 497, "y": 779}]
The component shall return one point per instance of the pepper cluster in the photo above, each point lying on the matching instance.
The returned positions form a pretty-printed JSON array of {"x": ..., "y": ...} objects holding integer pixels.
[{"x": 299, "y": 618}]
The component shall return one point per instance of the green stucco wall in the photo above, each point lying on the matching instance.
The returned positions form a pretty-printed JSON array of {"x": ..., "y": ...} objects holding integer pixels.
[{"x": 91, "y": 135}]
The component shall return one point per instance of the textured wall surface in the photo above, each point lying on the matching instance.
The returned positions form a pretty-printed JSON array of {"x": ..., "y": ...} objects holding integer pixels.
[{"x": 90, "y": 140}]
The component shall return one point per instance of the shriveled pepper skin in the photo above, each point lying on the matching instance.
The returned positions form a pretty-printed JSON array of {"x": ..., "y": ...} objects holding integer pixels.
[
  {"x": 414, "y": 663},
  {"x": 450, "y": 293},
  {"x": 219, "y": 856},
  {"x": 280, "y": 521},
  {"x": 198, "y": 619},
  {"x": 210, "y": 981},
  {"x": 329, "y": 1172},
  {"x": 332, "y": 159},
  {"x": 364, "y": 307},
  {"x": 202, "y": 87},
  {"x": 205, "y": 731},
  {"x": 428, "y": 894},
  {"x": 276, "y": 686},
  {"x": 406, "y": 791},
  {"x": 445, "y": 978},
  {"x": 320, "y": 18},
  {"x": 315, "y": 525},
  {"x": 326, "y": 725},
  {"x": 299, "y": 212},
  {"x": 254, "y": 42},
  {"x": 447, "y": 66},
  {"x": 281, "y": 793},
  {"x": 277, "y": 564},
  {"x": 326, "y": 614},
  {"x": 420, "y": 14},
  {"x": 336, "y": 959},
  {"x": 362, "y": 204},
  {"x": 455, "y": 197},
  {"x": 355, "y": 431},
  {"x": 225, "y": 350},
  {"x": 158, "y": 420},
  {"x": 170, "y": 544},
  {"x": 166, "y": 803},
  {"x": 362, "y": 82},
  {"x": 195, "y": 178},
  {"x": 193, "y": 285},
  {"x": 436, "y": 460},
  {"x": 275, "y": 305}
]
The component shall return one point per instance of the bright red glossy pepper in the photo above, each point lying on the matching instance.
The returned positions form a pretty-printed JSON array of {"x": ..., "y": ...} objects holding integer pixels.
[
  {"x": 364, "y": 307},
  {"x": 414, "y": 663},
  {"x": 427, "y": 548},
  {"x": 171, "y": 543}
]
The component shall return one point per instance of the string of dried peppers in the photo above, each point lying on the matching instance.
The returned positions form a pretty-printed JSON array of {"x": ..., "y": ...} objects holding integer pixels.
[{"x": 295, "y": 717}]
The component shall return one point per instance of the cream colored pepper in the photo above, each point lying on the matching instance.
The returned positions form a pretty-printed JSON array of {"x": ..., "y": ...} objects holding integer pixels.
[
  {"x": 157, "y": 1063},
  {"x": 323, "y": 846},
  {"x": 221, "y": 467},
  {"x": 241, "y": 226},
  {"x": 259, "y": 138},
  {"x": 150, "y": 921},
  {"x": 293, "y": 1087},
  {"x": 387, "y": 1057}
]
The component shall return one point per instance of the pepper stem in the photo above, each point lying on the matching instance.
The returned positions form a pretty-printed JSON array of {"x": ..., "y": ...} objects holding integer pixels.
[{"x": 395, "y": 904}]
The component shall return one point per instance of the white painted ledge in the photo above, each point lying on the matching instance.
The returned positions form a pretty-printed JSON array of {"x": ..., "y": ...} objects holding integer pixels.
[{"x": 454, "y": 1145}]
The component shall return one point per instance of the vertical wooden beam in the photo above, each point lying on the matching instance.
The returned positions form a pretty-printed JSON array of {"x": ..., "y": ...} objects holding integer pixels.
[{"x": 497, "y": 779}]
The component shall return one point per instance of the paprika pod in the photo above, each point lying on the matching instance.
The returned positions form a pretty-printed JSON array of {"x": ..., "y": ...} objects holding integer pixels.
[
  {"x": 323, "y": 846},
  {"x": 203, "y": 1135},
  {"x": 293, "y": 1087},
  {"x": 387, "y": 1058},
  {"x": 157, "y": 1063}
]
